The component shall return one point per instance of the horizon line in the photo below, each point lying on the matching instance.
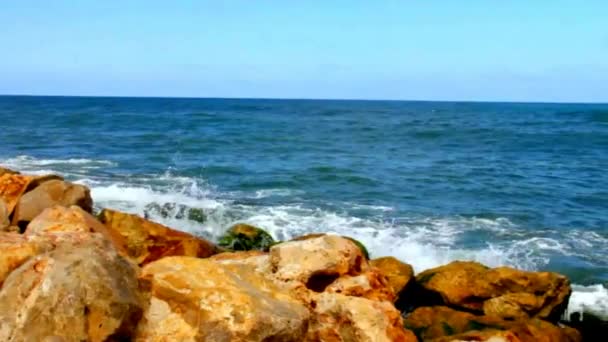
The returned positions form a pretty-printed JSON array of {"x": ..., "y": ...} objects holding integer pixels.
[{"x": 302, "y": 99}]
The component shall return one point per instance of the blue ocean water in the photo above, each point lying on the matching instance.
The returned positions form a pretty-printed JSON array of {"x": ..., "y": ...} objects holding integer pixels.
[{"x": 505, "y": 184}]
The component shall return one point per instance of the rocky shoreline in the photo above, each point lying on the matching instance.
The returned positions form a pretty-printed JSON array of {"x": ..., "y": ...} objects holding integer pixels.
[{"x": 68, "y": 274}]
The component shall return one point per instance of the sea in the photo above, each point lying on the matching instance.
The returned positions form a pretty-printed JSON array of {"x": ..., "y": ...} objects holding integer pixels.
[{"x": 516, "y": 184}]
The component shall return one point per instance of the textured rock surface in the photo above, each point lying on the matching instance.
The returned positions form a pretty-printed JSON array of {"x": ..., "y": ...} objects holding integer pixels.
[
  {"x": 503, "y": 291},
  {"x": 371, "y": 284},
  {"x": 202, "y": 300},
  {"x": 60, "y": 219},
  {"x": 399, "y": 274},
  {"x": 12, "y": 186},
  {"x": 48, "y": 194},
  {"x": 16, "y": 249},
  {"x": 81, "y": 291},
  {"x": 445, "y": 324},
  {"x": 245, "y": 237},
  {"x": 4, "y": 219},
  {"x": 325, "y": 256},
  {"x": 342, "y": 318},
  {"x": 147, "y": 241}
]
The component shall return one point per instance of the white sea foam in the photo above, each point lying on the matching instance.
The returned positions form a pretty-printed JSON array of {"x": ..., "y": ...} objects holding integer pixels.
[{"x": 591, "y": 299}]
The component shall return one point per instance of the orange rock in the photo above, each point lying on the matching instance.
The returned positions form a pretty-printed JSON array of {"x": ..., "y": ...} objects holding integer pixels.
[
  {"x": 399, "y": 274},
  {"x": 81, "y": 291},
  {"x": 439, "y": 323},
  {"x": 60, "y": 219},
  {"x": 16, "y": 249},
  {"x": 202, "y": 300},
  {"x": 342, "y": 318},
  {"x": 503, "y": 291},
  {"x": 12, "y": 186},
  {"x": 327, "y": 257},
  {"x": 7, "y": 171},
  {"x": 4, "y": 219},
  {"x": 147, "y": 241},
  {"x": 48, "y": 194},
  {"x": 370, "y": 284}
]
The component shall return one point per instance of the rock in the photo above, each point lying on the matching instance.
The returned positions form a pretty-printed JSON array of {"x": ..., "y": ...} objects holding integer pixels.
[
  {"x": 7, "y": 171},
  {"x": 317, "y": 261},
  {"x": 202, "y": 300},
  {"x": 316, "y": 235},
  {"x": 592, "y": 327},
  {"x": 4, "y": 219},
  {"x": 244, "y": 237},
  {"x": 174, "y": 210},
  {"x": 12, "y": 186},
  {"x": 147, "y": 241},
  {"x": 342, "y": 318},
  {"x": 399, "y": 275},
  {"x": 81, "y": 291},
  {"x": 16, "y": 249},
  {"x": 48, "y": 194},
  {"x": 371, "y": 284},
  {"x": 441, "y": 323},
  {"x": 503, "y": 291},
  {"x": 58, "y": 219}
]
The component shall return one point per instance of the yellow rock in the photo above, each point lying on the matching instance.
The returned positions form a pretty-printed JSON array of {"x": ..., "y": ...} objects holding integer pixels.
[
  {"x": 371, "y": 284},
  {"x": 342, "y": 318},
  {"x": 326, "y": 256},
  {"x": 147, "y": 241},
  {"x": 439, "y": 323},
  {"x": 503, "y": 291},
  {"x": 202, "y": 300},
  {"x": 48, "y": 194},
  {"x": 16, "y": 249},
  {"x": 399, "y": 274},
  {"x": 58, "y": 219},
  {"x": 81, "y": 291}
]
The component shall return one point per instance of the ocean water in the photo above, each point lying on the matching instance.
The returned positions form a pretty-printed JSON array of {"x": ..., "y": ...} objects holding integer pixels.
[{"x": 523, "y": 185}]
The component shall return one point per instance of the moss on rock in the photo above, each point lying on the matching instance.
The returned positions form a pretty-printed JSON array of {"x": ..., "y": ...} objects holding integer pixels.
[{"x": 245, "y": 237}]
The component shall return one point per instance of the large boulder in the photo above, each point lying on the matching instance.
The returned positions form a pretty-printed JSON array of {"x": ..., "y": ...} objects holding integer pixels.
[
  {"x": 48, "y": 194},
  {"x": 147, "y": 241},
  {"x": 439, "y": 323},
  {"x": 245, "y": 237},
  {"x": 317, "y": 261},
  {"x": 4, "y": 170},
  {"x": 81, "y": 291},
  {"x": 12, "y": 186},
  {"x": 343, "y": 318},
  {"x": 399, "y": 275},
  {"x": 203, "y": 300},
  {"x": 59, "y": 219},
  {"x": 503, "y": 291}
]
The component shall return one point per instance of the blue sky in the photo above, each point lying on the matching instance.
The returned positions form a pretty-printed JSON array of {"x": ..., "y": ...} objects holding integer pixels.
[{"x": 518, "y": 50}]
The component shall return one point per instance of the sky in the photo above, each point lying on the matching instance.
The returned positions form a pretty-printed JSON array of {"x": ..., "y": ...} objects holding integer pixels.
[{"x": 484, "y": 50}]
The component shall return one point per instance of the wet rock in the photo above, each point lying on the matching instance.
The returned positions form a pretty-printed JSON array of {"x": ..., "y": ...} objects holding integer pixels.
[
  {"x": 202, "y": 300},
  {"x": 399, "y": 274},
  {"x": 317, "y": 261},
  {"x": 81, "y": 291},
  {"x": 503, "y": 291},
  {"x": 441, "y": 323},
  {"x": 146, "y": 241},
  {"x": 59, "y": 219},
  {"x": 48, "y": 194},
  {"x": 343, "y": 318},
  {"x": 591, "y": 327},
  {"x": 174, "y": 210},
  {"x": 245, "y": 237}
]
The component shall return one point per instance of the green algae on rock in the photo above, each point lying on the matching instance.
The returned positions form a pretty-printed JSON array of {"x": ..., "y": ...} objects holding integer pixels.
[{"x": 245, "y": 237}]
